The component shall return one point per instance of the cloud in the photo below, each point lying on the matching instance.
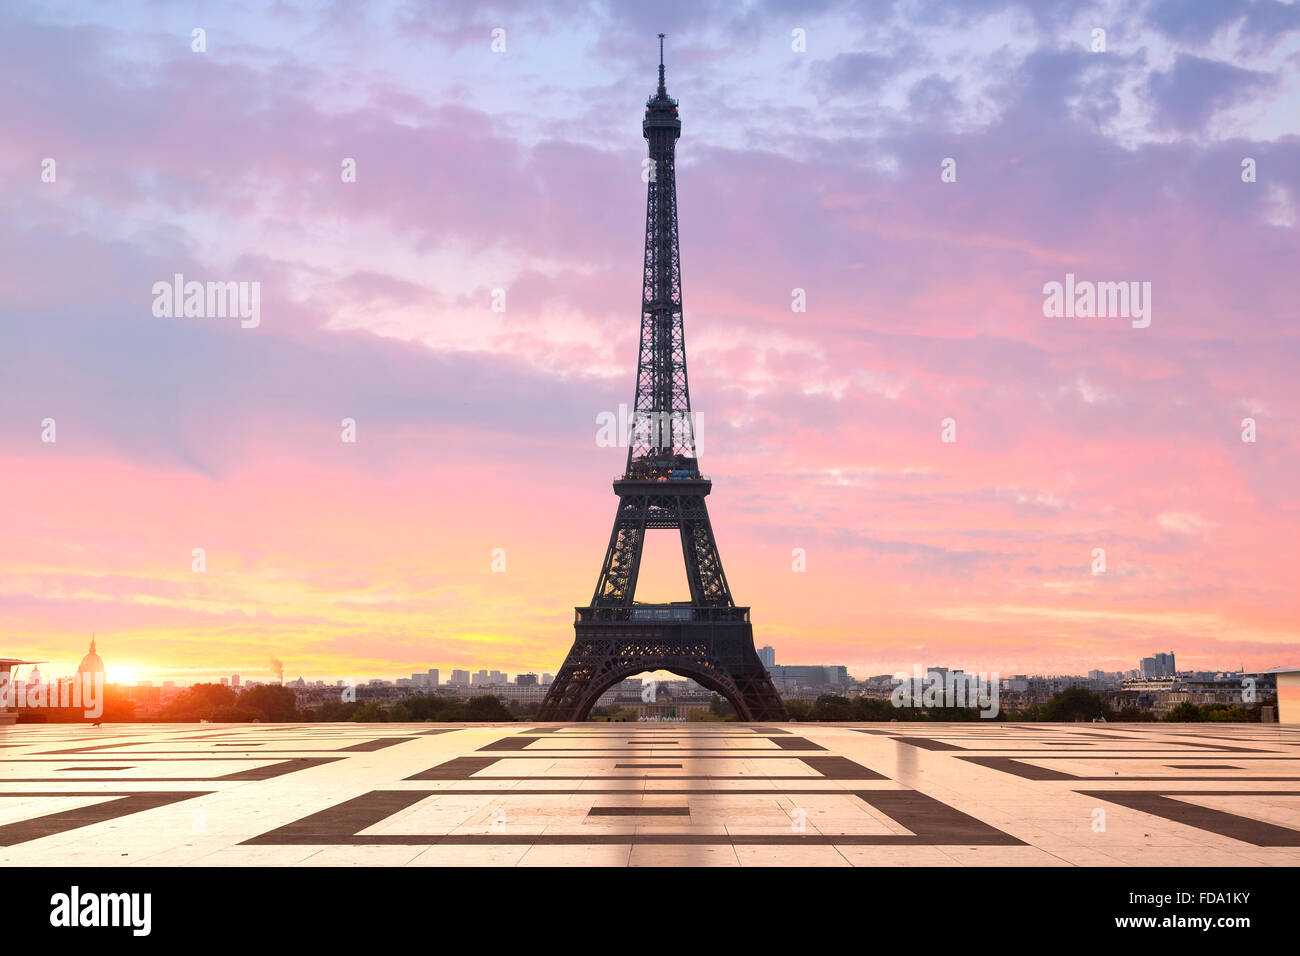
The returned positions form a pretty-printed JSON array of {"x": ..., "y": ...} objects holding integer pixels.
[
  {"x": 1195, "y": 88},
  {"x": 476, "y": 428}
]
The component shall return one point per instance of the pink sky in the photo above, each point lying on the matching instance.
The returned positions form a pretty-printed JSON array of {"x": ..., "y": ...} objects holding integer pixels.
[{"x": 815, "y": 170}]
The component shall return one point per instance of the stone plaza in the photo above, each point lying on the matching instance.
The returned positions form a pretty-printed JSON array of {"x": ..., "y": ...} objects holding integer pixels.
[{"x": 643, "y": 794}]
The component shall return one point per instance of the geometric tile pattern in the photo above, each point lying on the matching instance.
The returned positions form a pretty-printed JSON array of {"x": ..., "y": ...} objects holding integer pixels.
[{"x": 651, "y": 794}]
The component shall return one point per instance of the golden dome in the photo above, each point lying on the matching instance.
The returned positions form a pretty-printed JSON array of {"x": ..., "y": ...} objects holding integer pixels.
[{"x": 91, "y": 663}]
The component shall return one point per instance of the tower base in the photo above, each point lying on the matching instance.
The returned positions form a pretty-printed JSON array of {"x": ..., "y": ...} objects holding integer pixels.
[{"x": 712, "y": 646}]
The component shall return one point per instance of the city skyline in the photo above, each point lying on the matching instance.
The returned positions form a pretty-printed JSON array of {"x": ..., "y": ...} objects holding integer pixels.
[
  {"x": 812, "y": 177},
  {"x": 473, "y": 672}
]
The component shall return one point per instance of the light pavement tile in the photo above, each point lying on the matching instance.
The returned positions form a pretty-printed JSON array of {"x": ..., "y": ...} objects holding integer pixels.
[
  {"x": 261, "y": 856},
  {"x": 1002, "y": 856},
  {"x": 577, "y": 855},
  {"x": 894, "y": 856},
  {"x": 460, "y": 855},
  {"x": 363, "y": 855},
  {"x": 785, "y": 855},
  {"x": 645, "y": 854}
]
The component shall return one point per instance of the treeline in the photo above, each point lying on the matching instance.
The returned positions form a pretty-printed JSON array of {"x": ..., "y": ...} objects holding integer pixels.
[
  {"x": 424, "y": 707},
  {"x": 271, "y": 703},
  {"x": 1076, "y": 703},
  {"x": 220, "y": 704},
  {"x": 1072, "y": 704},
  {"x": 834, "y": 707}
]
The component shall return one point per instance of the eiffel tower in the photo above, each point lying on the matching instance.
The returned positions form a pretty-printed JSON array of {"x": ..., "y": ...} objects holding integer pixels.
[{"x": 708, "y": 638}]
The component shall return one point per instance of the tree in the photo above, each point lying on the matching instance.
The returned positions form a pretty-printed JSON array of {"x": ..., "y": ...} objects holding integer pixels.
[
  {"x": 1131, "y": 714},
  {"x": 831, "y": 707},
  {"x": 270, "y": 702},
  {"x": 332, "y": 710},
  {"x": 200, "y": 702},
  {"x": 400, "y": 713},
  {"x": 487, "y": 707},
  {"x": 370, "y": 713},
  {"x": 874, "y": 708},
  {"x": 1074, "y": 704},
  {"x": 1184, "y": 712}
]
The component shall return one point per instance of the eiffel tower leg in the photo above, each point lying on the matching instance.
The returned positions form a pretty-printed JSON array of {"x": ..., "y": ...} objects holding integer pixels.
[
  {"x": 718, "y": 656},
  {"x": 709, "y": 640},
  {"x": 703, "y": 566},
  {"x": 617, "y": 582}
]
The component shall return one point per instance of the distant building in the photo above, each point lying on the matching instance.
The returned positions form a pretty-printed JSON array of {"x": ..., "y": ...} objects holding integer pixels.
[
  {"x": 1160, "y": 665},
  {"x": 432, "y": 676},
  {"x": 91, "y": 663},
  {"x": 234, "y": 682},
  {"x": 548, "y": 679},
  {"x": 459, "y": 679},
  {"x": 526, "y": 680},
  {"x": 788, "y": 677},
  {"x": 1288, "y": 693},
  {"x": 767, "y": 656}
]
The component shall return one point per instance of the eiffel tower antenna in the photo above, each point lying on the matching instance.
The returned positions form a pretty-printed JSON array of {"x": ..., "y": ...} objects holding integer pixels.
[
  {"x": 662, "y": 90},
  {"x": 708, "y": 638}
]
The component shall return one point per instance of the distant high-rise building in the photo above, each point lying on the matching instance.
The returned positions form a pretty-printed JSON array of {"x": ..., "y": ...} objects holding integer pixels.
[
  {"x": 526, "y": 680},
  {"x": 234, "y": 682},
  {"x": 788, "y": 676},
  {"x": 496, "y": 677},
  {"x": 459, "y": 678},
  {"x": 433, "y": 677},
  {"x": 767, "y": 656},
  {"x": 225, "y": 682},
  {"x": 1161, "y": 665},
  {"x": 548, "y": 679}
]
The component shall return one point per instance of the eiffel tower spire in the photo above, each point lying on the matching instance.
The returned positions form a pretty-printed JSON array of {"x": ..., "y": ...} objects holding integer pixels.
[
  {"x": 662, "y": 91},
  {"x": 662, "y": 441},
  {"x": 708, "y": 638}
]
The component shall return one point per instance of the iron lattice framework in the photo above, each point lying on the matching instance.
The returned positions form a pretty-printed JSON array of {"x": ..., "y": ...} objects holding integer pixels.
[{"x": 708, "y": 638}]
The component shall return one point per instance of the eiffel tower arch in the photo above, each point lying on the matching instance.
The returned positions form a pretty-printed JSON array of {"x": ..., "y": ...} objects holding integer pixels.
[{"x": 708, "y": 638}]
